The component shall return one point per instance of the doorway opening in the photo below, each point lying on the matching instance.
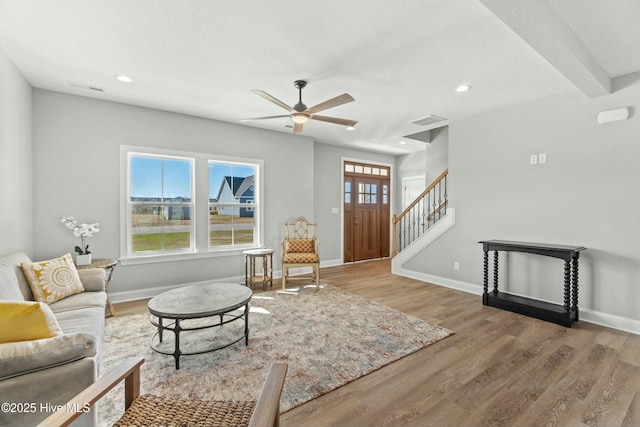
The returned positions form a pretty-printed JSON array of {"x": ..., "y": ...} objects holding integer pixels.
[
  {"x": 367, "y": 208},
  {"x": 412, "y": 187}
]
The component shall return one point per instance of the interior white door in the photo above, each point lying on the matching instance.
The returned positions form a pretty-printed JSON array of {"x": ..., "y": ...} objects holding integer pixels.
[{"x": 412, "y": 186}]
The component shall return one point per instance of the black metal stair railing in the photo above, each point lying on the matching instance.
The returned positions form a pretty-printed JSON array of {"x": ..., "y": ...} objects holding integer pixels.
[{"x": 421, "y": 214}]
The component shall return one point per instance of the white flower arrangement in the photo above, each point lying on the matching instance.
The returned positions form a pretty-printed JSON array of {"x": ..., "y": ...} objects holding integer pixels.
[{"x": 80, "y": 230}]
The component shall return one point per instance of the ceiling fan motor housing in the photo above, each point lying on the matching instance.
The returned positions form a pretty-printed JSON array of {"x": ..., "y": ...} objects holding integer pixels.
[{"x": 300, "y": 84}]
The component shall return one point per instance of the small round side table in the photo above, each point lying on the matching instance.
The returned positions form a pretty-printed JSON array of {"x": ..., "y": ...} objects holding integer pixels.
[
  {"x": 109, "y": 265},
  {"x": 250, "y": 277}
]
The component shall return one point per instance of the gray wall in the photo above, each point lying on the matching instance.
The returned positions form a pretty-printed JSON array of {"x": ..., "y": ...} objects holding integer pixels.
[
  {"x": 16, "y": 170},
  {"x": 437, "y": 153},
  {"x": 586, "y": 194},
  {"x": 76, "y": 154}
]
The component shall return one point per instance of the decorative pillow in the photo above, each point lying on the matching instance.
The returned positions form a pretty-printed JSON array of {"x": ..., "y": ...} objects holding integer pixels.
[
  {"x": 301, "y": 246},
  {"x": 300, "y": 258},
  {"x": 53, "y": 279},
  {"x": 26, "y": 321}
]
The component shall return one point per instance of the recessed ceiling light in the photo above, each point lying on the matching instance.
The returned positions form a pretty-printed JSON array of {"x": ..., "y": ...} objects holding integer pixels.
[
  {"x": 402, "y": 142},
  {"x": 123, "y": 78},
  {"x": 351, "y": 128},
  {"x": 463, "y": 88}
]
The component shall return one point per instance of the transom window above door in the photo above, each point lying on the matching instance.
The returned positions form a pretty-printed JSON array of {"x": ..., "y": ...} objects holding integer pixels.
[{"x": 365, "y": 169}]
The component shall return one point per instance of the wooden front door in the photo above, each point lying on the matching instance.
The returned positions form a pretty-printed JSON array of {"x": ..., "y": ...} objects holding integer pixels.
[{"x": 366, "y": 210}]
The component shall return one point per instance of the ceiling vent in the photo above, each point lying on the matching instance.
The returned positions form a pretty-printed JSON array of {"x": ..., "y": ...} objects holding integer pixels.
[{"x": 429, "y": 120}]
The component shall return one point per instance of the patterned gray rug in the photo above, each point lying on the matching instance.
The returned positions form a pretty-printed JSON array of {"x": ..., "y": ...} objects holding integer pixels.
[{"x": 328, "y": 339}]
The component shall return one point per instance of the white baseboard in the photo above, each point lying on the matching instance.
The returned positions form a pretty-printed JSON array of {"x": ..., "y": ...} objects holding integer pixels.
[
  {"x": 331, "y": 263},
  {"x": 437, "y": 280},
  {"x": 610, "y": 320},
  {"x": 151, "y": 292},
  {"x": 586, "y": 315}
]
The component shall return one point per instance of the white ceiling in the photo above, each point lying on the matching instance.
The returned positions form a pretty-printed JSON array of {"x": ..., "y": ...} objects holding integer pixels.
[{"x": 400, "y": 60}]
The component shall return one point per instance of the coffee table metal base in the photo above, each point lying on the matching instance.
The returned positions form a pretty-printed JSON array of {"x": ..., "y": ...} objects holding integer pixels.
[
  {"x": 189, "y": 309},
  {"x": 175, "y": 327}
]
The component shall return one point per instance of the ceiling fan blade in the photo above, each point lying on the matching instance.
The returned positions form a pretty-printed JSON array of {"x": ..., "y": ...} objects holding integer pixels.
[
  {"x": 344, "y": 122},
  {"x": 333, "y": 102},
  {"x": 297, "y": 128},
  {"x": 265, "y": 118},
  {"x": 268, "y": 97}
]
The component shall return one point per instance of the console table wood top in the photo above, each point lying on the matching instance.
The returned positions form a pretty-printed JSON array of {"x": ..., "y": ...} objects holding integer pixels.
[{"x": 552, "y": 250}]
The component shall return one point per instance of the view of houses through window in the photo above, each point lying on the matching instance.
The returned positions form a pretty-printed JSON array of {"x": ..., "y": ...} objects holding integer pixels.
[
  {"x": 231, "y": 204},
  {"x": 161, "y": 203}
]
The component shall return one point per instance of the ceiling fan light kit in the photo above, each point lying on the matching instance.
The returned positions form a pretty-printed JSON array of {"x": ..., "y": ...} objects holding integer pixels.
[
  {"x": 301, "y": 114},
  {"x": 300, "y": 117}
]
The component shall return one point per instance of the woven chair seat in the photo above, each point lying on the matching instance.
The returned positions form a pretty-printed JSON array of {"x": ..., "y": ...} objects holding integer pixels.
[
  {"x": 300, "y": 258},
  {"x": 153, "y": 411}
]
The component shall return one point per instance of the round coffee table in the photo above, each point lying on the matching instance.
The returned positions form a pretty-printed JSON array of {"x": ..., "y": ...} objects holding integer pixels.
[{"x": 213, "y": 301}]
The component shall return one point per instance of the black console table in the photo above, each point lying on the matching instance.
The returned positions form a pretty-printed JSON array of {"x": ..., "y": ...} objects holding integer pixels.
[{"x": 564, "y": 314}]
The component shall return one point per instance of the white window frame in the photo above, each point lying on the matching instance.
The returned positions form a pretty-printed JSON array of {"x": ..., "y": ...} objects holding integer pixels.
[
  {"x": 200, "y": 210},
  {"x": 241, "y": 205}
]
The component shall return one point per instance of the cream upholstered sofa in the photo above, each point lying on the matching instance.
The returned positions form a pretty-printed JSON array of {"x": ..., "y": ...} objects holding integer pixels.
[{"x": 37, "y": 374}]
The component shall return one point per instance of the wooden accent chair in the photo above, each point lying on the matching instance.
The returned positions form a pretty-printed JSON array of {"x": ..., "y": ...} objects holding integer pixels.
[
  {"x": 152, "y": 410},
  {"x": 300, "y": 248}
]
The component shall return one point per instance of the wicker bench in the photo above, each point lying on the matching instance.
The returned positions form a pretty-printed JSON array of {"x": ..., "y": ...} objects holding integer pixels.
[{"x": 154, "y": 410}]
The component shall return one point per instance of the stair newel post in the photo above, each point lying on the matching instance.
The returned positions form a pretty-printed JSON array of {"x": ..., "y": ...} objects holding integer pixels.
[
  {"x": 394, "y": 221},
  {"x": 403, "y": 232}
]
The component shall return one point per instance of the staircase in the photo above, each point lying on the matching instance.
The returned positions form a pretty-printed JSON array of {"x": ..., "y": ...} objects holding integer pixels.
[{"x": 421, "y": 215}]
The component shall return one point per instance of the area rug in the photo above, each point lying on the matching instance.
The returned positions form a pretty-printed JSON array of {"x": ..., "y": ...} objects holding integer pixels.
[{"x": 328, "y": 338}]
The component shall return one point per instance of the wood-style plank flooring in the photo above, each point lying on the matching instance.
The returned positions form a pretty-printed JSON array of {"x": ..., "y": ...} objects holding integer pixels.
[{"x": 499, "y": 368}]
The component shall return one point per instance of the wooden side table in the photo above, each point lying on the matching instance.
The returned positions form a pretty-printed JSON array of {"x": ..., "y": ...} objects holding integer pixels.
[
  {"x": 109, "y": 265},
  {"x": 250, "y": 277}
]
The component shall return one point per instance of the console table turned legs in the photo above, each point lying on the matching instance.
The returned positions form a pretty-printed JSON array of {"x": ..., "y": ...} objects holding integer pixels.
[
  {"x": 485, "y": 280},
  {"x": 574, "y": 287}
]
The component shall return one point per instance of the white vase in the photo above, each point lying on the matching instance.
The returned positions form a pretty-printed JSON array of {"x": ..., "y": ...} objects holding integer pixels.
[{"x": 83, "y": 259}]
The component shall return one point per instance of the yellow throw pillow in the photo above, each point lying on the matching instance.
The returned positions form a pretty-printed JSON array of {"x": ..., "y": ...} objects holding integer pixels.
[
  {"x": 53, "y": 279},
  {"x": 26, "y": 320}
]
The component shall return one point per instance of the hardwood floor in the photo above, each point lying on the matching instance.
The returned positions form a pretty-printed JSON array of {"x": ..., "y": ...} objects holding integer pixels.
[{"x": 499, "y": 368}]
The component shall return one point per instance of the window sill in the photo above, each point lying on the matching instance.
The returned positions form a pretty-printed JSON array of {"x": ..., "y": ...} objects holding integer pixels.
[{"x": 151, "y": 259}]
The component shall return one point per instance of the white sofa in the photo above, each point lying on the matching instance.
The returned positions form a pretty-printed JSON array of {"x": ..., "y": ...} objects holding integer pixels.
[{"x": 51, "y": 371}]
